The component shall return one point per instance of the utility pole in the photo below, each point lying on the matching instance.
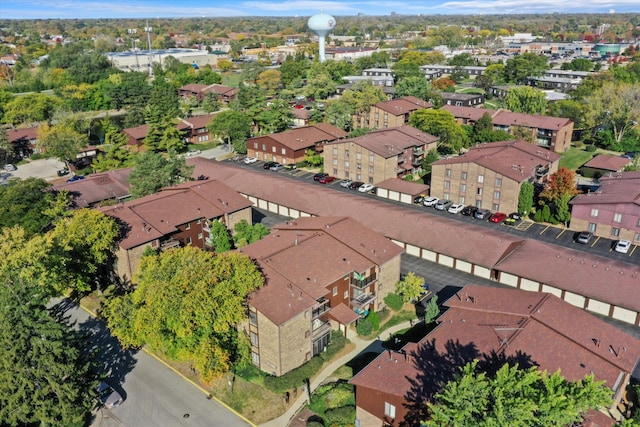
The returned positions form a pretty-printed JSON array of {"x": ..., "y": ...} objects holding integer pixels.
[
  {"x": 148, "y": 29},
  {"x": 132, "y": 32}
]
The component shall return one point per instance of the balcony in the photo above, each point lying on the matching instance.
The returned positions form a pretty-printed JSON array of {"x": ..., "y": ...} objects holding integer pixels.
[
  {"x": 363, "y": 300},
  {"x": 363, "y": 282},
  {"x": 542, "y": 171},
  {"x": 319, "y": 328},
  {"x": 320, "y": 309},
  {"x": 169, "y": 243}
]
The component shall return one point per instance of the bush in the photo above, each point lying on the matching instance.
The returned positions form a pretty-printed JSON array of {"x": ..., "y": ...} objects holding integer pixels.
[
  {"x": 579, "y": 144},
  {"x": 394, "y": 301},
  {"x": 375, "y": 320},
  {"x": 336, "y": 344},
  {"x": 344, "y": 416},
  {"x": 295, "y": 378},
  {"x": 36, "y": 156},
  {"x": 314, "y": 424},
  {"x": 365, "y": 327},
  {"x": 590, "y": 148}
]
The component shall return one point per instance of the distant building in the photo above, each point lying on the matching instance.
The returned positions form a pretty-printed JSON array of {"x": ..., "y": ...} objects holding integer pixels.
[
  {"x": 390, "y": 114},
  {"x": 24, "y": 141},
  {"x": 94, "y": 190},
  {"x": 224, "y": 93},
  {"x": 142, "y": 60},
  {"x": 462, "y": 99}
]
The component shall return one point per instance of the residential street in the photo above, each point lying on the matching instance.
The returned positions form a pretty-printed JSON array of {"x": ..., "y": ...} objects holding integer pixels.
[{"x": 154, "y": 394}]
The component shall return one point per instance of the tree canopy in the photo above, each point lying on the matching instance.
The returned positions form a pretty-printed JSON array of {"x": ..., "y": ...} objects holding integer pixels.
[
  {"x": 411, "y": 287},
  {"x": 525, "y": 99},
  {"x": 234, "y": 127},
  {"x": 187, "y": 303},
  {"x": 442, "y": 124},
  {"x": 154, "y": 171},
  {"x": 22, "y": 203}
]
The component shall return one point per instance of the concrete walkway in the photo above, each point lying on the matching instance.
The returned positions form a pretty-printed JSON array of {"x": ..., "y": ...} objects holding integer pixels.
[{"x": 361, "y": 345}]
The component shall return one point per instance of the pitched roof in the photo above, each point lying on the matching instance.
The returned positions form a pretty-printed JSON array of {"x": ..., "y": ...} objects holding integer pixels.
[
  {"x": 137, "y": 132},
  {"x": 609, "y": 163},
  {"x": 509, "y": 118},
  {"x": 392, "y": 141},
  {"x": 515, "y": 159},
  {"x": 481, "y": 320},
  {"x": 304, "y": 136},
  {"x": 404, "y": 105},
  {"x": 402, "y": 186},
  {"x": 198, "y": 122},
  {"x": 616, "y": 188},
  {"x": 95, "y": 188},
  {"x": 151, "y": 217},
  {"x": 30, "y": 133},
  {"x": 307, "y": 254}
]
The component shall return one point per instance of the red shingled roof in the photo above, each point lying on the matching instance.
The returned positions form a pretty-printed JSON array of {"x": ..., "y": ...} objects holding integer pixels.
[
  {"x": 509, "y": 118},
  {"x": 404, "y": 105},
  {"x": 98, "y": 187},
  {"x": 618, "y": 188},
  {"x": 609, "y": 163},
  {"x": 391, "y": 142}
]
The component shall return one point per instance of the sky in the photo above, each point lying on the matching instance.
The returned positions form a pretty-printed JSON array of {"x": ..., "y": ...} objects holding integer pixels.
[{"x": 69, "y": 9}]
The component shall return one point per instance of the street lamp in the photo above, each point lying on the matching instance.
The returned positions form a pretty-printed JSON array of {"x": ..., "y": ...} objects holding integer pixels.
[{"x": 148, "y": 29}]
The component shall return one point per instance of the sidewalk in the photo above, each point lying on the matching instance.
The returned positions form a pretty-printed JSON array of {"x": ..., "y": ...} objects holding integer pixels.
[{"x": 361, "y": 344}]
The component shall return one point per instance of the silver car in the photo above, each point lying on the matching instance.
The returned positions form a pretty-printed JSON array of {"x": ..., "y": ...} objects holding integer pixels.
[{"x": 107, "y": 396}]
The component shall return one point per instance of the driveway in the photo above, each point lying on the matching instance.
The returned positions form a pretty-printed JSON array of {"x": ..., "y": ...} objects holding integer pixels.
[{"x": 44, "y": 168}]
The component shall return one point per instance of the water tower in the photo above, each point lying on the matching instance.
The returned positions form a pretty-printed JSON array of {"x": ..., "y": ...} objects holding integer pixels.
[{"x": 321, "y": 24}]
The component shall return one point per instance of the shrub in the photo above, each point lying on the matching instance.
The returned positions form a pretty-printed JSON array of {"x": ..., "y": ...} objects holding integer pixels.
[
  {"x": 579, "y": 144},
  {"x": 295, "y": 378},
  {"x": 394, "y": 301},
  {"x": 590, "y": 148},
  {"x": 336, "y": 344},
  {"x": 375, "y": 320},
  {"x": 344, "y": 416},
  {"x": 383, "y": 314},
  {"x": 365, "y": 327},
  {"x": 315, "y": 424}
]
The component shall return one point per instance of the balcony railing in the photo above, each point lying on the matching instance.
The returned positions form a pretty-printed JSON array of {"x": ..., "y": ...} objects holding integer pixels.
[
  {"x": 319, "y": 328},
  {"x": 319, "y": 310},
  {"x": 364, "y": 282},
  {"x": 541, "y": 171},
  {"x": 363, "y": 300},
  {"x": 169, "y": 243}
]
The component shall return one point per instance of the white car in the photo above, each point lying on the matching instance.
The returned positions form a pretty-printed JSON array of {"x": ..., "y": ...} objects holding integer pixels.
[
  {"x": 365, "y": 188},
  {"x": 9, "y": 167},
  {"x": 250, "y": 160},
  {"x": 192, "y": 153},
  {"x": 430, "y": 201},
  {"x": 456, "y": 208},
  {"x": 345, "y": 183},
  {"x": 622, "y": 246}
]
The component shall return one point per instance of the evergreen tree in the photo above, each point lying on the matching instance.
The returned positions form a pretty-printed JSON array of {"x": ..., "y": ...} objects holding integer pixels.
[{"x": 525, "y": 198}]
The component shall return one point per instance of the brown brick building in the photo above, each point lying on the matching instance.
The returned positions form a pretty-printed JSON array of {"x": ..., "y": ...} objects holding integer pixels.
[
  {"x": 175, "y": 216},
  {"x": 489, "y": 176},
  {"x": 321, "y": 273},
  {"x": 379, "y": 155},
  {"x": 390, "y": 114}
]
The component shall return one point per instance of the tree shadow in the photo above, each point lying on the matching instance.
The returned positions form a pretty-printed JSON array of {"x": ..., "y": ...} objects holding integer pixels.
[{"x": 435, "y": 369}]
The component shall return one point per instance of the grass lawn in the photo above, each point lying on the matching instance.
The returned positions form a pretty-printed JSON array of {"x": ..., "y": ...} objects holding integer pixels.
[
  {"x": 231, "y": 79},
  {"x": 575, "y": 157}
]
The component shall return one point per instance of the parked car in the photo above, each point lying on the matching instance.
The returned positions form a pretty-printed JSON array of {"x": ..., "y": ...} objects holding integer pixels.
[
  {"x": 356, "y": 184},
  {"x": 63, "y": 172},
  {"x": 482, "y": 214},
  {"x": 277, "y": 167},
  {"x": 584, "y": 237},
  {"x": 418, "y": 200},
  {"x": 498, "y": 217},
  {"x": 327, "y": 179},
  {"x": 250, "y": 160},
  {"x": 443, "y": 205},
  {"x": 455, "y": 208},
  {"x": 291, "y": 167},
  {"x": 469, "y": 210},
  {"x": 430, "y": 201},
  {"x": 317, "y": 176},
  {"x": 366, "y": 188},
  {"x": 622, "y": 246},
  {"x": 192, "y": 153},
  {"x": 513, "y": 219},
  {"x": 75, "y": 178},
  {"x": 268, "y": 165},
  {"x": 346, "y": 183},
  {"x": 107, "y": 396},
  {"x": 9, "y": 167}
]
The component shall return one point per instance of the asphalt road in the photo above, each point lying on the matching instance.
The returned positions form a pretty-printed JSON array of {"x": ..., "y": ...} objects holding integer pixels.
[{"x": 154, "y": 394}]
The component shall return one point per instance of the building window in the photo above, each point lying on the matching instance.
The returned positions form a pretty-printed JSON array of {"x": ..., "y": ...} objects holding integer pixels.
[
  {"x": 496, "y": 195},
  {"x": 335, "y": 151},
  {"x": 447, "y": 172},
  {"x": 254, "y": 339},
  {"x": 335, "y": 162},
  {"x": 446, "y": 196},
  {"x": 370, "y": 169},
  {"x": 461, "y": 200},
  {"x": 253, "y": 317},
  {"x": 358, "y": 166},
  {"x": 389, "y": 410},
  {"x": 447, "y": 185},
  {"x": 255, "y": 145},
  {"x": 187, "y": 226},
  {"x": 617, "y": 217},
  {"x": 273, "y": 149},
  {"x": 480, "y": 179},
  {"x": 255, "y": 358},
  {"x": 479, "y": 204},
  {"x": 346, "y": 164},
  {"x": 496, "y": 207},
  {"x": 594, "y": 212},
  {"x": 592, "y": 227},
  {"x": 463, "y": 188},
  {"x": 359, "y": 156},
  {"x": 464, "y": 175},
  {"x": 284, "y": 151},
  {"x": 498, "y": 182},
  {"x": 637, "y": 237},
  {"x": 264, "y": 147},
  {"x": 615, "y": 232},
  {"x": 335, "y": 291},
  {"x": 346, "y": 294},
  {"x": 358, "y": 177},
  {"x": 370, "y": 180},
  {"x": 335, "y": 171},
  {"x": 371, "y": 158},
  {"x": 346, "y": 153},
  {"x": 199, "y": 236},
  {"x": 199, "y": 221},
  {"x": 188, "y": 240},
  {"x": 479, "y": 191}
]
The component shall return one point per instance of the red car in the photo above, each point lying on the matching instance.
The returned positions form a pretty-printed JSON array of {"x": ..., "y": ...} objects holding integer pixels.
[
  {"x": 326, "y": 179},
  {"x": 498, "y": 217}
]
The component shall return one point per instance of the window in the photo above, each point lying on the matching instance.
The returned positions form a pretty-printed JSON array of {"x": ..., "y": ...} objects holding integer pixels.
[
  {"x": 479, "y": 192},
  {"x": 203, "y": 138},
  {"x": 335, "y": 171},
  {"x": 254, "y": 339},
  {"x": 617, "y": 217},
  {"x": 284, "y": 151},
  {"x": 463, "y": 188},
  {"x": 447, "y": 185},
  {"x": 188, "y": 240},
  {"x": 447, "y": 172},
  {"x": 255, "y": 145},
  {"x": 346, "y": 294},
  {"x": 359, "y": 156},
  {"x": 371, "y": 158},
  {"x": 335, "y": 162},
  {"x": 253, "y": 317},
  {"x": 389, "y": 410},
  {"x": 187, "y": 226},
  {"x": 446, "y": 196},
  {"x": 461, "y": 200},
  {"x": 358, "y": 166},
  {"x": 199, "y": 236},
  {"x": 264, "y": 147},
  {"x": 615, "y": 232},
  {"x": 346, "y": 153},
  {"x": 480, "y": 179},
  {"x": 346, "y": 164},
  {"x": 637, "y": 237},
  {"x": 358, "y": 177},
  {"x": 496, "y": 207},
  {"x": 370, "y": 169},
  {"x": 464, "y": 175},
  {"x": 335, "y": 151},
  {"x": 498, "y": 182},
  {"x": 479, "y": 204},
  {"x": 594, "y": 212},
  {"x": 370, "y": 180},
  {"x": 255, "y": 358},
  {"x": 335, "y": 291},
  {"x": 496, "y": 195},
  {"x": 273, "y": 149},
  {"x": 592, "y": 227},
  {"x": 199, "y": 221}
]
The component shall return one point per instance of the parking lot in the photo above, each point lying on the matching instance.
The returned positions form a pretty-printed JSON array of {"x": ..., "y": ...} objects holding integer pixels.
[{"x": 556, "y": 235}]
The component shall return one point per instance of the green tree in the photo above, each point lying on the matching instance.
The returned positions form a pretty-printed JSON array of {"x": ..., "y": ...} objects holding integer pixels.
[
  {"x": 46, "y": 375},
  {"x": 521, "y": 67},
  {"x": 246, "y": 233},
  {"x": 525, "y": 198},
  {"x": 188, "y": 303},
  {"x": 154, "y": 171},
  {"x": 578, "y": 64},
  {"x": 431, "y": 156},
  {"x": 525, "y": 99},
  {"x": 233, "y": 127},
  {"x": 463, "y": 59},
  {"x": 220, "y": 239},
  {"x": 22, "y": 203},
  {"x": 6, "y": 147},
  {"x": 340, "y": 114},
  {"x": 62, "y": 140},
  {"x": 442, "y": 124},
  {"x": 568, "y": 108},
  {"x": 313, "y": 158},
  {"x": 563, "y": 212},
  {"x": 615, "y": 106},
  {"x": 29, "y": 108},
  {"x": 411, "y": 287},
  {"x": 515, "y": 397},
  {"x": 419, "y": 87},
  {"x": 278, "y": 117},
  {"x": 432, "y": 310}
]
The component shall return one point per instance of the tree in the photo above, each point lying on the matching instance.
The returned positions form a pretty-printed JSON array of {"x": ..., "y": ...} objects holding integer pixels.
[
  {"x": 615, "y": 106},
  {"x": 411, "y": 287},
  {"x": 29, "y": 108},
  {"x": 270, "y": 81},
  {"x": 154, "y": 171},
  {"x": 525, "y": 198},
  {"x": 220, "y": 239},
  {"x": 246, "y": 234},
  {"x": 22, "y": 203},
  {"x": 442, "y": 124},
  {"x": 432, "y": 310},
  {"x": 525, "y": 99},
  {"x": 278, "y": 117},
  {"x": 519, "y": 68},
  {"x": 312, "y": 158},
  {"x": 563, "y": 213},
  {"x": 430, "y": 157},
  {"x": 233, "y": 127},
  {"x": 188, "y": 303},
  {"x": 417, "y": 86},
  {"x": 62, "y": 140},
  {"x": 46, "y": 375},
  {"x": 561, "y": 184},
  {"x": 211, "y": 102},
  {"x": 6, "y": 147},
  {"x": 515, "y": 397},
  {"x": 568, "y": 108},
  {"x": 578, "y": 64},
  {"x": 340, "y": 114}
]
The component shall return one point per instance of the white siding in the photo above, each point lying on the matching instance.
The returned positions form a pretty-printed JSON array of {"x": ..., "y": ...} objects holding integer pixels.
[
  {"x": 394, "y": 195},
  {"x": 598, "y": 307},
  {"x": 509, "y": 279},
  {"x": 304, "y": 214},
  {"x": 399, "y": 243},
  {"x": 445, "y": 260},
  {"x": 624, "y": 315},
  {"x": 383, "y": 192},
  {"x": 263, "y": 204},
  {"x": 413, "y": 250},
  {"x": 294, "y": 213},
  {"x": 463, "y": 266},
  {"x": 406, "y": 198},
  {"x": 428, "y": 255},
  {"x": 554, "y": 291},
  {"x": 282, "y": 210},
  {"x": 482, "y": 272},
  {"x": 529, "y": 285},
  {"x": 273, "y": 207},
  {"x": 574, "y": 299}
]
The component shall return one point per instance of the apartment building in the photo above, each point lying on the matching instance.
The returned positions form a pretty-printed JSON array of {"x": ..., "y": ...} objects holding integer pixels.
[
  {"x": 379, "y": 155},
  {"x": 391, "y": 113},
  {"x": 490, "y": 175},
  {"x": 321, "y": 273}
]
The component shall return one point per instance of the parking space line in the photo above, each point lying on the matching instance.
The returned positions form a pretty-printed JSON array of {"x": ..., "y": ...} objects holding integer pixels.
[
  {"x": 544, "y": 229},
  {"x": 596, "y": 241},
  {"x": 633, "y": 250},
  {"x": 561, "y": 233}
]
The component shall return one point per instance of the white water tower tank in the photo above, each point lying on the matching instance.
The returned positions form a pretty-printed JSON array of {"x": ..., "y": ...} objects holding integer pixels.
[{"x": 321, "y": 24}]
